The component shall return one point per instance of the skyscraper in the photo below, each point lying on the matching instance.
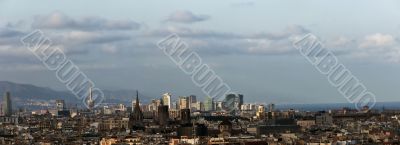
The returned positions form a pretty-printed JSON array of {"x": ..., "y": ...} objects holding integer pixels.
[
  {"x": 271, "y": 107},
  {"x": 7, "y": 105},
  {"x": 166, "y": 100},
  {"x": 209, "y": 104},
  {"x": 192, "y": 99},
  {"x": 90, "y": 100},
  {"x": 260, "y": 111},
  {"x": 183, "y": 103},
  {"x": 192, "y": 102}
]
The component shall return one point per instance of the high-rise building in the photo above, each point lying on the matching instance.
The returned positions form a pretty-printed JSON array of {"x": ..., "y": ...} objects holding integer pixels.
[
  {"x": 7, "y": 104},
  {"x": 183, "y": 103},
  {"x": 271, "y": 107},
  {"x": 260, "y": 111},
  {"x": 60, "y": 105},
  {"x": 90, "y": 101},
  {"x": 199, "y": 106},
  {"x": 166, "y": 100},
  {"x": 192, "y": 102},
  {"x": 209, "y": 104},
  {"x": 192, "y": 99}
]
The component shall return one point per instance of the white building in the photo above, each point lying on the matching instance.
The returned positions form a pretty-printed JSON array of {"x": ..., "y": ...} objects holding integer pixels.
[{"x": 166, "y": 99}]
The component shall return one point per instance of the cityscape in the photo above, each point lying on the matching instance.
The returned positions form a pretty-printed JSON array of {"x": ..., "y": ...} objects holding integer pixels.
[
  {"x": 190, "y": 121},
  {"x": 209, "y": 72}
]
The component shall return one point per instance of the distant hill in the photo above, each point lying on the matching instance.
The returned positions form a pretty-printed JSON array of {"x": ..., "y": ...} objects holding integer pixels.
[{"x": 22, "y": 93}]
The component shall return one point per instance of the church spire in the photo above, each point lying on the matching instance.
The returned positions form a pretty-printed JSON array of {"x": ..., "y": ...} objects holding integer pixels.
[
  {"x": 137, "y": 98},
  {"x": 136, "y": 118}
]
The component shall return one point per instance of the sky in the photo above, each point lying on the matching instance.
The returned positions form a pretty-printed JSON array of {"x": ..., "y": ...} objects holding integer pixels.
[{"x": 247, "y": 43}]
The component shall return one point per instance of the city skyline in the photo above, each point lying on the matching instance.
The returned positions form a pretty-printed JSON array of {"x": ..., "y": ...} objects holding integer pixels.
[{"x": 225, "y": 72}]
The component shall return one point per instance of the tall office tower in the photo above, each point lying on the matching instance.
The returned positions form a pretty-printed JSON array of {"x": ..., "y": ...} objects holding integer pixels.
[
  {"x": 241, "y": 101},
  {"x": 177, "y": 104},
  {"x": 7, "y": 104},
  {"x": 136, "y": 118},
  {"x": 158, "y": 102},
  {"x": 260, "y": 111},
  {"x": 163, "y": 115},
  {"x": 90, "y": 101},
  {"x": 233, "y": 101},
  {"x": 192, "y": 99},
  {"x": 209, "y": 104},
  {"x": 185, "y": 116},
  {"x": 192, "y": 102},
  {"x": 166, "y": 100},
  {"x": 60, "y": 105},
  {"x": 200, "y": 106},
  {"x": 271, "y": 107},
  {"x": 183, "y": 103}
]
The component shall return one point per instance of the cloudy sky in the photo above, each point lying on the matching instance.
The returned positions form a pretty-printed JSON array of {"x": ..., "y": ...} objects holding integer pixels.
[{"x": 247, "y": 43}]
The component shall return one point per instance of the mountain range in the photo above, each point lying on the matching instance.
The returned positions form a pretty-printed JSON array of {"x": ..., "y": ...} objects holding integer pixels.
[{"x": 24, "y": 93}]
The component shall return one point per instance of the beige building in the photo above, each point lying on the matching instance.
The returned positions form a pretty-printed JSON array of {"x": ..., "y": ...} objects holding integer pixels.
[
  {"x": 113, "y": 123},
  {"x": 125, "y": 141}
]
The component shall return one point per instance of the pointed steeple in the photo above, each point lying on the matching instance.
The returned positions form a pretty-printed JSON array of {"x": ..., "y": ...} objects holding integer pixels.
[
  {"x": 136, "y": 118},
  {"x": 137, "y": 99}
]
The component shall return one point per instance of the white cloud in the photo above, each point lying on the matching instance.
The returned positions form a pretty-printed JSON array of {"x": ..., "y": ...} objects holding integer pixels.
[
  {"x": 377, "y": 40},
  {"x": 265, "y": 46}
]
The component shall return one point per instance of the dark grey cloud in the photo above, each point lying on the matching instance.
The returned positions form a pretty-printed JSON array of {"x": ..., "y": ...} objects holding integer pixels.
[
  {"x": 186, "y": 17},
  {"x": 8, "y": 32},
  {"x": 58, "y": 20},
  {"x": 10, "y": 36}
]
